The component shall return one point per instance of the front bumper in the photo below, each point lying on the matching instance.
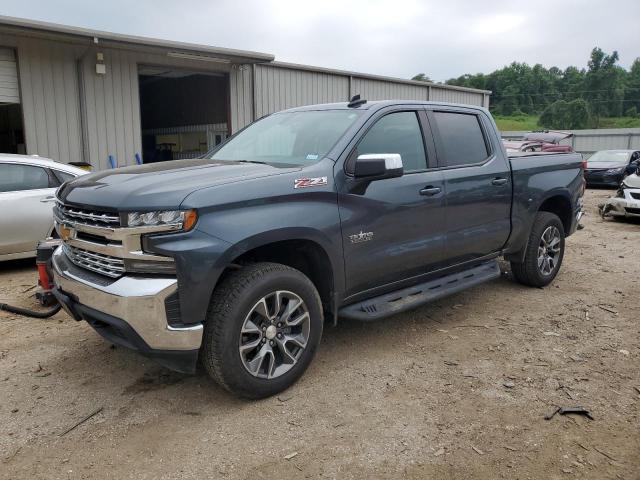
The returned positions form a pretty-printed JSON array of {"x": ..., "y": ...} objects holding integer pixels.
[
  {"x": 626, "y": 206},
  {"x": 129, "y": 311}
]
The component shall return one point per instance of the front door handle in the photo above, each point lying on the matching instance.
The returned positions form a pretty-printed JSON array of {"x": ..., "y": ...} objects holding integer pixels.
[
  {"x": 499, "y": 181},
  {"x": 430, "y": 191}
]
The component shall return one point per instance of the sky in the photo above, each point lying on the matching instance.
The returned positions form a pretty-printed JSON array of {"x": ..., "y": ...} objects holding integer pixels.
[{"x": 398, "y": 38}]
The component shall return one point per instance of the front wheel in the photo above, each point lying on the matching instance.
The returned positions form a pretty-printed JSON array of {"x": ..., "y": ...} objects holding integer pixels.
[
  {"x": 544, "y": 254},
  {"x": 262, "y": 329}
]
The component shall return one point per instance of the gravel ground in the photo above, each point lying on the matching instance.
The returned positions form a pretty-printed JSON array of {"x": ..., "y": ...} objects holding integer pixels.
[{"x": 457, "y": 389}]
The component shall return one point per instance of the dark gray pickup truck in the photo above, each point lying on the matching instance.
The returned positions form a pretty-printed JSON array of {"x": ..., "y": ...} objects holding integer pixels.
[{"x": 353, "y": 210}]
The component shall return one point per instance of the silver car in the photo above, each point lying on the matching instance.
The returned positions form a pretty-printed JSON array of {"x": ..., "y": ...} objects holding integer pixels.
[{"x": 27, "y": 188}]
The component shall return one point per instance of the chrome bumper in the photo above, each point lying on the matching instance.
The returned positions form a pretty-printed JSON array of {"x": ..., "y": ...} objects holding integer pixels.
[{"x": 138, "y": 301}]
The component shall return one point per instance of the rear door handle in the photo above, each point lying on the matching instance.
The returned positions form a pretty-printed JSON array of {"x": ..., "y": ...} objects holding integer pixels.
[
  {"x": 48, "y": 199},
  {"x": 499, "y": 181},
  {"x": 430, "y": 191}
]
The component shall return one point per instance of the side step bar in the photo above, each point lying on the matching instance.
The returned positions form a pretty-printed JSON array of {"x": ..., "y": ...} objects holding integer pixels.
[{"x": 412, "y": 297}]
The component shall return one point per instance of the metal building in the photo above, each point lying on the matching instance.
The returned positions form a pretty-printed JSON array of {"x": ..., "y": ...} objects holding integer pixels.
[{"x": 74, "y": 94}]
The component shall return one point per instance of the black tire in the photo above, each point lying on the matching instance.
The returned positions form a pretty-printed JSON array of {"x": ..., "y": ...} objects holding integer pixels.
[
  {"x": 529, "y": 272},
  {"x": 231, "y": 303}
]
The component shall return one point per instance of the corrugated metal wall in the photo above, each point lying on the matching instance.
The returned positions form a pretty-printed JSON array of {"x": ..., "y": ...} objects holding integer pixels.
[
  {"x": 278, "y": 88},
  {"x": 111, "y": 108},
  {"x": 9, "y": 91},
  {"x": 241, "y": 97},
  {"x": 589, "y": 141},
  {"x": 50, "y": 101}
]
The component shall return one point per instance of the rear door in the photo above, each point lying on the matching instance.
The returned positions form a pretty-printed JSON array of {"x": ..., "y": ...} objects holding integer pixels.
[
  {"x": 477, "y": 180},
  {"x": 393, "y": 229},
  {"x": 26, "y": 197}
]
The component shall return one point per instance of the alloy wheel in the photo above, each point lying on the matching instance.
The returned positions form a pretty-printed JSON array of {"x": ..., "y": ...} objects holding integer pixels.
[{"x": 274, "y": 334}]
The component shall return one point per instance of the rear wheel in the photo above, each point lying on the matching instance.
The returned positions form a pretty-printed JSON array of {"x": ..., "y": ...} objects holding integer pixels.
[
  {"x": 544, "y": 254},
  {"x": 263, "y": 327}
]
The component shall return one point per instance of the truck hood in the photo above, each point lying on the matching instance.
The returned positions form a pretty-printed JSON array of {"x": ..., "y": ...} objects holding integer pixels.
[
  {"x": 162, "y": 185},
  {"x": 606, "y": 165}
]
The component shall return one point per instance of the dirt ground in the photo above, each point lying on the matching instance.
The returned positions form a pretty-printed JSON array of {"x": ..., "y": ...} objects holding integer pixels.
[{"x": 457, "y": 389}]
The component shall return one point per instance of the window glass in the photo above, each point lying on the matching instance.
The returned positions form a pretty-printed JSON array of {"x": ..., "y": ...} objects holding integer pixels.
[
  {"x": 289, "y": 138},
  {"x": 63, "y": 176},
  {"x": 462, "y": 139},
  {"x": 397, "y": 133},
  {"x": 15, "y": 177}
]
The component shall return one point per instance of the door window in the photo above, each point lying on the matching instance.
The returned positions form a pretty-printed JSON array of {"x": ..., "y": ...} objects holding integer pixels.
[
  {"x": 397, "y": 133},
  {"x": 461, "y": 138},
  {"x": 15, "y": 177}
]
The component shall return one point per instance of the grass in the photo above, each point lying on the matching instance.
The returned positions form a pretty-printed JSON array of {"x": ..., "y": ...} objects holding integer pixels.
[{"x": 530, "y": 122}]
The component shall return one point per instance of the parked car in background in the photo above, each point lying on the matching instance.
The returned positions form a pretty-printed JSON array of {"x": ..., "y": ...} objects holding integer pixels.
[
  {"x": 626, "y": 202},
  {"x": 546, "y": 141},
  {"x": 609, "y": 167},
  {"x": 27, "y": 194}
]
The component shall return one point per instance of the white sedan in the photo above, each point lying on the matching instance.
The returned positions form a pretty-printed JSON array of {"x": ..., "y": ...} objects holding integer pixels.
[{"x": 27, "y": 194}]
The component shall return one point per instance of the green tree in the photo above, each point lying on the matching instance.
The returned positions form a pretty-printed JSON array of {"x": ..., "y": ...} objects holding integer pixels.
[
  {"x": 632, "y": 87},
  {"x": 563, "y": 115},
  {"x": 604, "y": 82},
  {"x": 421, "y": 77}
]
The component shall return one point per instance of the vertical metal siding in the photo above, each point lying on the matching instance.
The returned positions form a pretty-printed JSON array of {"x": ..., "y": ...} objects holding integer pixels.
[
  {"x": 111, "y": 108},
  {"x": 9, "y": 91},
  {"x": 241, "y": 97},
  {"x": 385, "y": 90},
  {"x": 457, "y": 96},
  {"x": 278, "y": 88},
  {"x": 50, "y": 102}
]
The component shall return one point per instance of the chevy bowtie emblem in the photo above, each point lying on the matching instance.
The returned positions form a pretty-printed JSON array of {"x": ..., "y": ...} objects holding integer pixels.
[
  {"x": 361, "y": 237},
  {"x": 64, "y": 232}
]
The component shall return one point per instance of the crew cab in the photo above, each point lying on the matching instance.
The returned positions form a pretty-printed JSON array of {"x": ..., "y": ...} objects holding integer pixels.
[{"x": 354, "y": 210}]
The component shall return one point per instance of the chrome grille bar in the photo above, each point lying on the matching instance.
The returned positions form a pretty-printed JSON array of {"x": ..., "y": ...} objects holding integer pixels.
[
  {"x": 88, "y": 216},
  {"x": 106, "y": 265}
]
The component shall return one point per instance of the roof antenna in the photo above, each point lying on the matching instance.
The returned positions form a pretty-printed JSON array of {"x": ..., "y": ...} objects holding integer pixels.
[{"x": 356, "y": 101}]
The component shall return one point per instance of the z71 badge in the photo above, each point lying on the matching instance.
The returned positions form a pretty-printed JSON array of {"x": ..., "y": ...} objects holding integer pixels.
[{"x": 309, "y": 182}]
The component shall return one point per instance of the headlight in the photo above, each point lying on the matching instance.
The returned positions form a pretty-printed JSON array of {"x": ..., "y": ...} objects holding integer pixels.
[
  {"x": 615, "y": 170},
  {"x": 184, "y": 219}
]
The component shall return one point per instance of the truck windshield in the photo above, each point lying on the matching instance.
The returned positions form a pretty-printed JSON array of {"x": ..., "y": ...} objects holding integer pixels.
[{"x": 288, "y": 138}]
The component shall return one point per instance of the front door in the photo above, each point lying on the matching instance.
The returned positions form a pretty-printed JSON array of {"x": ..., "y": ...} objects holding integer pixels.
[{"x": 393, "y": 229}]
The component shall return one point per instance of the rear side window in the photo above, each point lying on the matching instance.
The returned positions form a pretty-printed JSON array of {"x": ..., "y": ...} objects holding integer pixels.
[
  {"x": 63, "y": 176},
  {"x": 397, "y": 133},
  {"x": 461, "y": 138},
  {"x": 15, "y": 177}
]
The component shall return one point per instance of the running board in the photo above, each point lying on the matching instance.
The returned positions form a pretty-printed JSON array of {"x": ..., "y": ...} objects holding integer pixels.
[{"x": 412, "y": 297}]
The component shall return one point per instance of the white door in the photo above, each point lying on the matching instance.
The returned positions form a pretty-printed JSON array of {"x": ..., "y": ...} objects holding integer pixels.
[{"x": 26, "y": 202}]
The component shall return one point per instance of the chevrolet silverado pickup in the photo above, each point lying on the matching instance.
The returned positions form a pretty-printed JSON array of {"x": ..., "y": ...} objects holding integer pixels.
[{"x": 354, "y": 210}]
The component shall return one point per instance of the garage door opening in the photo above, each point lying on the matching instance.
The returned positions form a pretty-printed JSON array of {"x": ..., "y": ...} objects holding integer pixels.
[
  {"x": 11, "y": 125},
  {"x": 183, "y": 113}
]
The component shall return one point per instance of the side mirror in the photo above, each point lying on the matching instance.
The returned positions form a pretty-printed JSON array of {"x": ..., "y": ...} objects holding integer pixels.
[{"x": 376, "y": 166}]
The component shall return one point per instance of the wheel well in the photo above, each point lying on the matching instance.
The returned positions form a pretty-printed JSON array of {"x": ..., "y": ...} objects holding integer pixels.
[
  {"x": 560, "y": 206},
  {"x": 304, "y": 255}
]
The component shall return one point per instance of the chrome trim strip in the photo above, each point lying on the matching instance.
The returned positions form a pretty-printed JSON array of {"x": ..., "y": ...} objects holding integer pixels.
[
  {"x": 115, "y": 233},
  {"x": 116, "y": 250},
  {"x": 137, "y": 300}
]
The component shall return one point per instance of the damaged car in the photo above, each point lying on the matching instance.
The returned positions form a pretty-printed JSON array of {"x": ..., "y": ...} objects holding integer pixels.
[{"x": 626, "y": 202}]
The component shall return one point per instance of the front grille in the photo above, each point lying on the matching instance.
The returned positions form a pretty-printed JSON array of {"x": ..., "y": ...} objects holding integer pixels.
[
  {"x": 635, "y": 211},
  {"x": 97, "y": 262},
  {"x": 635, "y": 195},
  {"x": 87, "y": 217}
]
